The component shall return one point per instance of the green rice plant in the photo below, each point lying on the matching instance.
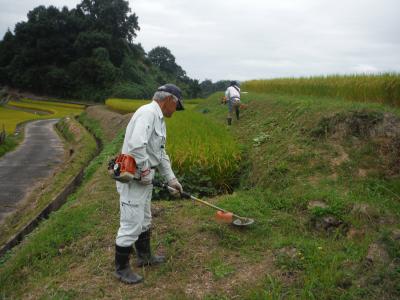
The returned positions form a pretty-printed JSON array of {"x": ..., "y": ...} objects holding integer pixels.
[
  {"x": 381, "y": 88},
  {"x": 202, "y": 151},
  {"x": 125, "y": 106}
]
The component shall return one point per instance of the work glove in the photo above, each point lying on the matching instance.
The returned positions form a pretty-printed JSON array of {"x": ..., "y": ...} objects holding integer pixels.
[
  {"x": 145, "y": 177},
  {"x": 143, "y": 174},
  {"x": 174, "y": 183}
]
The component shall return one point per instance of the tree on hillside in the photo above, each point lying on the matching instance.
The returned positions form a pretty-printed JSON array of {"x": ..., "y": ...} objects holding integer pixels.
[
  {"x": 163, "y": 58},
  {"x": 112, "y": 16}
]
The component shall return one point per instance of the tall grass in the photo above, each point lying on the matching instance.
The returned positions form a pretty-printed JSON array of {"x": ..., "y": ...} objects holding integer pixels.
[{"x": 381, "y": 88}]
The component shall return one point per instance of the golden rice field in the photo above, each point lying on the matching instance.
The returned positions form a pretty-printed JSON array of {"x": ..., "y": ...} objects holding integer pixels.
[
  {"x": 56, "y": 109},
  {"x": 125, "y": 106},
  {"x": 11, "y": 118},
  {"x": 381, "y": 88},
  {"x": 196, "y": 143}
]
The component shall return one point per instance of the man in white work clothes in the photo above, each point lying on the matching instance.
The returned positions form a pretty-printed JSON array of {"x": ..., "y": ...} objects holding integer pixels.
[
  {"x": 145, "y": 139},
  {"x": 232, "y": 95}
]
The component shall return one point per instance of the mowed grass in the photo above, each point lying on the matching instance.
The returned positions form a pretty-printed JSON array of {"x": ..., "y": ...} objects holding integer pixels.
[
  {"x": 381, "y": 88},
  {"x": 287, "y": 169}
]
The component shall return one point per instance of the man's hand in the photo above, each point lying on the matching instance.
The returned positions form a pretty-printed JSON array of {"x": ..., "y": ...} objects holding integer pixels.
[{"x": 174, "y": 183}]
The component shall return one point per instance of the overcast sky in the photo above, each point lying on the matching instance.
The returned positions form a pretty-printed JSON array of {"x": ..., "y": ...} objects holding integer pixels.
[{"x": 251, "y": 39}]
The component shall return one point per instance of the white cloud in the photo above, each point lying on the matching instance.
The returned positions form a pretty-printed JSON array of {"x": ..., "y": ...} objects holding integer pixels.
[{"x": 246, "y": 39}]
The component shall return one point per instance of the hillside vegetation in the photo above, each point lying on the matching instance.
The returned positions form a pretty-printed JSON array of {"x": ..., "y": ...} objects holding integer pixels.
[
  {"x": 87, "y": 52},
  {"x": 319, "y": 176},
  {"x": 381, "y": 88}
]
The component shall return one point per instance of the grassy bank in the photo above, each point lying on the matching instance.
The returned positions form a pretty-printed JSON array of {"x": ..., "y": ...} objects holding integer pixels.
[
  {"x": 381, "y": 88},
  {"x": 288, "y": 253},
  {"x": 291, "y": 167}
]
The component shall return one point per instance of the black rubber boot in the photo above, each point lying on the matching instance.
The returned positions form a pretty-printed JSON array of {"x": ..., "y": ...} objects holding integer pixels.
[
  {"x": 143, "y": 251},
  {"x": 237, "y": 113},
  {"x": 229, "y": 121},
  {"x": 122, "y": 269}
]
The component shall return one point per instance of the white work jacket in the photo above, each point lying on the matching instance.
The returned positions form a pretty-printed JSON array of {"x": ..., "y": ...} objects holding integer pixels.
[
  {"x": 231, "y": 92},
  {"x": 145, "y": 139}
]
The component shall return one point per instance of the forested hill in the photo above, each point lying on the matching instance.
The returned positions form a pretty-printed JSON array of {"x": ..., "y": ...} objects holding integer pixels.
[{"x": 87, "y": 52}]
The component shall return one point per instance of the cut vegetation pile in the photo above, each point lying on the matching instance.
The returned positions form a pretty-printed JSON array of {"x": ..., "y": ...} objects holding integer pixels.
[{"x": 322, "y": 230}]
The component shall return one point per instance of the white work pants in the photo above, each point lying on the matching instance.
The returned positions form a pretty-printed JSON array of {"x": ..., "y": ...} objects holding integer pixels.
[{"x": 135, "y": 213}]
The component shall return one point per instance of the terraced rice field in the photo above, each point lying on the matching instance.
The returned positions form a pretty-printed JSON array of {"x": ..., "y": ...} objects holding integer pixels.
[{"x": 10, "y": 118}]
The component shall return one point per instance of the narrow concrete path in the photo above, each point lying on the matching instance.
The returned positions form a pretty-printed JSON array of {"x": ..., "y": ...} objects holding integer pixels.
[{"x": 38, "y": 155}]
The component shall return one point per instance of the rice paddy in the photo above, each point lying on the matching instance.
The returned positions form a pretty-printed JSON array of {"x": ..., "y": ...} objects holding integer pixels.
[
  {"x": 381, "y": 88},
  {"x": 202, "y": 147},
  {"x": 125, "y": 106},
  {"x": 10, "y": 118}
]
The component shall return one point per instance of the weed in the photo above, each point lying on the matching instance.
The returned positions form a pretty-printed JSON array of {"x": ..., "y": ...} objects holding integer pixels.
[{"x": 220, "y": 268}]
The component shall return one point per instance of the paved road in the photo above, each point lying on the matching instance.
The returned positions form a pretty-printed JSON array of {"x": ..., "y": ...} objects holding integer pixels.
[{"x": 34, "y": 159}]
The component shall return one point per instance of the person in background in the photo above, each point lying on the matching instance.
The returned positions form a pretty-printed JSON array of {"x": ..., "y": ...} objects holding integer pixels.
[
  {"x": 232, "y": 95},
  {"x": 145, "y": 139}
]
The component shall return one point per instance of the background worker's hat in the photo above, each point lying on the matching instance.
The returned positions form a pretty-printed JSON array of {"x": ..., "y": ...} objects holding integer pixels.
[{"x": 174, "y": 90}]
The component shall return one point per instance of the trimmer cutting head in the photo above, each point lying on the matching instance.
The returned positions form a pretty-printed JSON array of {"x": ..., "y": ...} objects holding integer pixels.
[{"x": 243, "y": 222}]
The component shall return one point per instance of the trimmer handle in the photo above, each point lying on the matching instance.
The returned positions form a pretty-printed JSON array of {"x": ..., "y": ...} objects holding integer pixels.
[
  {"x": 186, "y": 195},
  {"x": 164, "y": 185}
]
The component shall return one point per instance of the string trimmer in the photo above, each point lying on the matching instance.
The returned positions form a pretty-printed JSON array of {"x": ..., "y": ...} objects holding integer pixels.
[{"x": 222, "y": 214}]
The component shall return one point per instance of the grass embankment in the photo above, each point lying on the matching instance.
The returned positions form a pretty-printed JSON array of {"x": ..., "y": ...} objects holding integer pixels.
[
  {"x": 80, "y": 148},
  {"x": 381, "y": 88},
  {"x": 283, "y": 255},
  {"x": 295, "y": 158}
]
